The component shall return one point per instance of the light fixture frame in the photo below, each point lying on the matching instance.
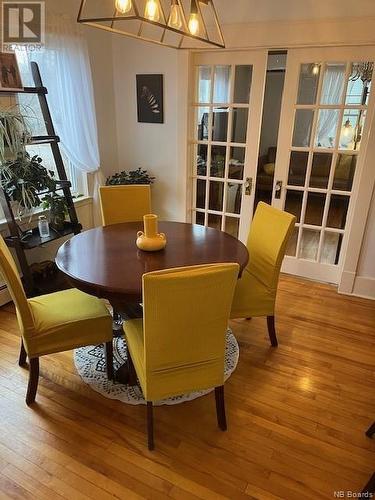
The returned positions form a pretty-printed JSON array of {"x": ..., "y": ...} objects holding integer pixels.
[{"x": 95, "y": 22}]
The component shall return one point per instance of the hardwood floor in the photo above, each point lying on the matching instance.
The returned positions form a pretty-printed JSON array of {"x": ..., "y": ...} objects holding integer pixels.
[{"x": 297, "y": 417}]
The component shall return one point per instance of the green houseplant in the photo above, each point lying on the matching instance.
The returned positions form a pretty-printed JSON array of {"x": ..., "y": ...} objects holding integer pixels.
[
  {"x": 137, "y": 176},
  {"x": 58, "y": 209},
  {"x": 23, "y": 177}
]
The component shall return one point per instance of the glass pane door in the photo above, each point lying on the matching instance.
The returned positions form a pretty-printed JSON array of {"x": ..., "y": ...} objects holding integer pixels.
[
  {"x": 224, "y": 119},
  {"x": 318, "y": 168}
]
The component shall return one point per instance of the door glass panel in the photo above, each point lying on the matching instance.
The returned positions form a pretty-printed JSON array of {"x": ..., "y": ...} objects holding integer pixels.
[
  {"x": 297, "y": 168},
  {"x": 239, "y": 124},
  {"x": 201, "y": 193},
  {"x": 201, "y": 159},
  {"x": 315, "y": 208},
  {"x": 218, "y": 161},
  {"x": 236, "y": 163},
  {"x": 331, "y": 248},
  {"x": 221, "y": 84},
  {"x": 292, "y": 243},
  {"x": 308, "y": 83},
  {"x": 242, "y": 84},
  {"x": 220, "y": 124},
  {"x": 202, "y": 115},
  {"x": 327, "y": 128},
  {"x": 293, "y": 203},
  {"x": 309, "y": 244},
  {"x": 302, "y": 128},
  {"x": 320, "y": 169},
  {"x": 358, "y": 90},
  {"x": 338, "y": 210},
  {"x": 234, "y": 194},
  {"x": 351, "y": 129},
  {"x": 199, "y": 218},
  {"x": 214, "y": 221},
  {"x": 232, "y": 225},
  {"x": 204, "y": 84},
  {"x": 344, "y": 172},
  {"x": 216, "y": 196},
  {"x": 333, "y": 83}
]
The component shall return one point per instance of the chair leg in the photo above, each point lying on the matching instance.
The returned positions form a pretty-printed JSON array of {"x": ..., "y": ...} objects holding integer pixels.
[
  {"x": 132, "y": 372},
  {"x": 371, "y": 431},
  {"x": 23, "y": 356},
  {"x": 109, "y": 360},
  {"x": 33, "y": 381},
  {"x": 272, "y": 330},
  {"x": 220, "y": 408},
  {"x": 150, "y": 426}
]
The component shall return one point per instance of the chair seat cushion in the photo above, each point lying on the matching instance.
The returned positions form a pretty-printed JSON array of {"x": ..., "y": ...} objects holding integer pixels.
[
  {"x": 66, "y": 320},
  {"x": 252, "y": 298}
]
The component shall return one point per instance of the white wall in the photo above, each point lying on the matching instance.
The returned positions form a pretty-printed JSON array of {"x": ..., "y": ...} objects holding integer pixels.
[{"x": 150, "y": 146}]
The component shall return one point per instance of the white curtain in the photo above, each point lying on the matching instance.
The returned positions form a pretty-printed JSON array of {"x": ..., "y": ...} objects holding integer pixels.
[
  {"x": 331, "y": 94},
  {"x": 65, "y": 69}
]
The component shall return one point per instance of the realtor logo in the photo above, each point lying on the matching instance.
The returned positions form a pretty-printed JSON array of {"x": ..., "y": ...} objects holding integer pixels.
[{"x": 23, "y": 24}]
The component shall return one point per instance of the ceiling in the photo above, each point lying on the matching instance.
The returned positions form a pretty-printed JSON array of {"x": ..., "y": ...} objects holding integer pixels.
[{"x": 245, "y": 11}]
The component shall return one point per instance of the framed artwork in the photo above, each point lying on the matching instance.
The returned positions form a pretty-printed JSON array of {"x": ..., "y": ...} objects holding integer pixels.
[
  {"x": 10, "y": 78},
  {"x": 150, "y": 106}
]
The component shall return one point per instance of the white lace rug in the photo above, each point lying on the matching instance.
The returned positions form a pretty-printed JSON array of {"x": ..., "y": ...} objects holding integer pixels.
[{"x": 90, "y": 364}]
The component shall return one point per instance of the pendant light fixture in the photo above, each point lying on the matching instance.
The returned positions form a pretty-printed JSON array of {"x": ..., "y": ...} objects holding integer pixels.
[{"x": 181, "y": 24}]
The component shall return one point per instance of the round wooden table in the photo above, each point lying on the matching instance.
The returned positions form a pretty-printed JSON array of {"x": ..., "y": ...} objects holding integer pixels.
[{"x": 106, "y": 262}]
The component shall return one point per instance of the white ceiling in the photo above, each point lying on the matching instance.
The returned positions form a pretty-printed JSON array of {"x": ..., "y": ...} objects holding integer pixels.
[{"x": 245, "y": 11}]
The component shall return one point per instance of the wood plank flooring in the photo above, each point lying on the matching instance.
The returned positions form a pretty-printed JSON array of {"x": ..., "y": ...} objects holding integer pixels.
[{"x": 297, "y": 417}]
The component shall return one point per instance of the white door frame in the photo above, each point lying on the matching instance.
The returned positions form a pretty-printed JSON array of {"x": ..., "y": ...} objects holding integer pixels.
[
  {"x": 363, "y": 183},
  {"x": 258, "y": 60}
]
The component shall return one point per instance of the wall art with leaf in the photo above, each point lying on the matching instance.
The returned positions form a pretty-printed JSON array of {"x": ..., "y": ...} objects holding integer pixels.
[{"x": 150, "y": 106}]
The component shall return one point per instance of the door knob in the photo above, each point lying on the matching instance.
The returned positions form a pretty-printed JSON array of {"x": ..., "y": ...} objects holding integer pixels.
[
  {"x": 248, "y": 186},
  {"x": 278, "y": 187}
]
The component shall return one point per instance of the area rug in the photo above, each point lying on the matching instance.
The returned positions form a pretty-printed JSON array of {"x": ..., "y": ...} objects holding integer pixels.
[{"x": 90, "y": 364}]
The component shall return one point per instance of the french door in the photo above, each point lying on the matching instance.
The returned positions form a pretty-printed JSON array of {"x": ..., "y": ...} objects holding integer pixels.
[
  {"x": 326, "y": 113},
  {"x": 226, "y": 113}
]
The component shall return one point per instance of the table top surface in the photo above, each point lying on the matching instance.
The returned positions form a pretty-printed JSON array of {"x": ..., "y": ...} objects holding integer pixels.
[{"x": 106, "y": 260}]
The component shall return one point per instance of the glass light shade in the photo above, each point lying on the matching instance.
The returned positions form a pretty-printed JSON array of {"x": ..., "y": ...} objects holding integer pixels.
[
  {"x": 347, "y": 135},
  {"x": 152, "y": 10},
  {"x": 193, "y": 23},
  {"x": 123, "y": 6},
  {"x": 315, "y": 69},
  {"x": 175, "y": 18}
]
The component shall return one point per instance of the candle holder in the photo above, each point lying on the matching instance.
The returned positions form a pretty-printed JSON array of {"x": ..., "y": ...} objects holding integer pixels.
[{"x": 150, "y": 240}]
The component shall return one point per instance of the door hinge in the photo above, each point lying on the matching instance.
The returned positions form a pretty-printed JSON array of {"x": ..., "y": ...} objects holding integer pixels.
[{"x": 248, "y": 186}]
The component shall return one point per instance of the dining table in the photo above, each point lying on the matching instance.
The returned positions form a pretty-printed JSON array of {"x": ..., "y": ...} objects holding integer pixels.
[{"x": 105, "y": 261}]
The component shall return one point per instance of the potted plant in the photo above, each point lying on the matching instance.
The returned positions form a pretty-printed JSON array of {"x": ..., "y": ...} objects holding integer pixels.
[
  {"x": 23, "y": 177},
  {"x": 137, "y": 176},
  {"x": 14, "y": 134},
  {"x": 58, "y": 210}
]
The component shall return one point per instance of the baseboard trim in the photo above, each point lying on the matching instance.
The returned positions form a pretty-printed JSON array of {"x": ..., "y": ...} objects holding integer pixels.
[{"x": 364, "y": 287}]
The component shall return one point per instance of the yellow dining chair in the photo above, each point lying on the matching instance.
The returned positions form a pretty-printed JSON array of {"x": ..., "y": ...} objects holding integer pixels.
[
  {"x": 255, "y": 293},
  {"x": 55, "y": 322},
  {"x": 179, "y": 345},
  {"x": 124, "y": 203}
]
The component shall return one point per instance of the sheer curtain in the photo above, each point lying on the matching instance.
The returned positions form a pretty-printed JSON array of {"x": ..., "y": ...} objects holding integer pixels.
[
  {"x": 65, "y": 69},
  {"x": 331, "y": 94}
]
